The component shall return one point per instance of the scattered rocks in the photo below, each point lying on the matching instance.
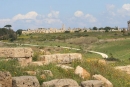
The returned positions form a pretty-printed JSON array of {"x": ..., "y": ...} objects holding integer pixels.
[
  {"x": 25, "y": 81},
  {"x": 107, "y": 83},
  {"x": 82, "y": 72}
]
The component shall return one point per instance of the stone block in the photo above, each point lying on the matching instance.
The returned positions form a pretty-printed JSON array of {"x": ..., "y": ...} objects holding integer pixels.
[
  {"x": 5, "y": 79},
  {"x": 92, "y": 83},
  {"x": 107, "y": 83},
  {"x": 24, "y": 61},
  {"x": 16, "y": 52},
  {"x": 25, "y": 81},
  {"x": 60, "y": 83},
  {"x": 84, "y": 74}
]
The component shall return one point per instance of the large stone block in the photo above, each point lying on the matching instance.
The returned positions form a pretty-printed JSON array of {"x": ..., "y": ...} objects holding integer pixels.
[
  {"x": 60, "y": 83},
  {"x": 24, "y": 61},
  {"x": 92, "y": 83},
  {"x": 16, "y": 52},
  {"x": 5, "y": 79},
  {"x": 107, "y": 83},
  {"x": 60, "y": 58},
  {"x": 84, "y": 74},
  {"x": 25, "y": 81}
]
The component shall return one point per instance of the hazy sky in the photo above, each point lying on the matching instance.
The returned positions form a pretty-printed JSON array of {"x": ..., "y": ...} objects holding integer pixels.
[{"x": 24, "y": 14}]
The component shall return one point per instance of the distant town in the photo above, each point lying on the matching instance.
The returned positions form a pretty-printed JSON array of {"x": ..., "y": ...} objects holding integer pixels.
[{"x": 63, "y": 29}]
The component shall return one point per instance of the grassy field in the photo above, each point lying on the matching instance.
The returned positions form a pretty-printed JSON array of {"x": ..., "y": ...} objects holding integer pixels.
[
  {"x": 114, "y": 44},
  {"x": 118, "y": 49}
]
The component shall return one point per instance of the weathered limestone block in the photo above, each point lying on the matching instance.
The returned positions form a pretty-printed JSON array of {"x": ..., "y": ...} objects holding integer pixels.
[
  {"x": 16, "y": 52},
  {"x": 82, "y": 72},
  {"x": 92, "y": 83},
  {"x": 60, "y": 58},
  {"x": 107, "y": 83},
  {"x": 25, "y": 81},
  {"x": 75, "y": 56},
  {"x": 24, "y": 61},
  {"x": 5, "y": 79},
  {"x": 60, "y": 83},
  {"x": 124, "y": 68}
]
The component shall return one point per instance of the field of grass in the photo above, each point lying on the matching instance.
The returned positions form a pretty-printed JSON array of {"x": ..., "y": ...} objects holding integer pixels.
[
  {"x": 119, "y": 49},
  {"x": 119, "y": 79}
]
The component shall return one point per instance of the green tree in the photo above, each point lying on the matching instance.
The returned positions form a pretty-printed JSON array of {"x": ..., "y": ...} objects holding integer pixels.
[
  {"x": 8, "y": 26},
  {"x": 95, "y": 28},
  {"x": 19, "y": 32},
  {"x": 107, "y": 29}
]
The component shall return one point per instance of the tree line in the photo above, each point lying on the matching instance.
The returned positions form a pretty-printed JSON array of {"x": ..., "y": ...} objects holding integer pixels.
[{"x": 7, "y": 33}]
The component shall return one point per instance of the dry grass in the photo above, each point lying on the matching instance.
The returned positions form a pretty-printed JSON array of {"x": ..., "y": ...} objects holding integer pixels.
[{"x": 82, "y": 40}]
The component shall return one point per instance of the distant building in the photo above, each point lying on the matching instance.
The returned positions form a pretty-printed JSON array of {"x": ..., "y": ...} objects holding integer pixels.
[{"x": 128, "y": 26}]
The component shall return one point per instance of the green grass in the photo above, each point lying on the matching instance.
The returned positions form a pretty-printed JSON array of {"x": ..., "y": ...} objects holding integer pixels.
[
  {"x": 119, "y": 79},
  {"x": 118, "y": 49}
]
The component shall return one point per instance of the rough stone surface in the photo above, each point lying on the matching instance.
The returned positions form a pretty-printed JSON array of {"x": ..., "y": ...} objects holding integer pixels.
[
  {"x": 107, "y": 83},
  {"x": 25, "y": 81},
  {"x": 60, "y": 83},
  {"x": 5, "y": 79},
  {"x": 60, "y": 58},
  {"x": 82, "y": 72},
  {"x": 124, "y": 68},
  {"x": 16, "y": 52},
  {"x": 92, "y": 83},
  {"x": 24, "y": 61}
]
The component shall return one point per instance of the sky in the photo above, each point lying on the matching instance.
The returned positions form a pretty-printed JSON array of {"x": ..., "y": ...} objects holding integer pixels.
[{"x": 33, "y": 14}]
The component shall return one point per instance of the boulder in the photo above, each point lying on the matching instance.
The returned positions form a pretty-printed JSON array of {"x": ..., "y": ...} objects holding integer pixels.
[
  {"x": 92, "y": 83},
  {"x": 60, "y": 83},
  {"x": 25, "y": 81},
  {"x": 60, "y": 58},
  {"x": 107, "y": 83},
  {"x": 124, "y": 68},
  {"x": 82, "y": 72},
  {"x": 16, "y": 52},
  {"x": 5, "y": 79}
]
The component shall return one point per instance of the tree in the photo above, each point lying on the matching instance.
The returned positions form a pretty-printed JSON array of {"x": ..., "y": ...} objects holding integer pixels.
[
  {"x": 95, "y": 28},
  {"x": 19, "y": 32},
  {"x": 107, "y": 29},
  {"x": 8, "y": 26}
]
